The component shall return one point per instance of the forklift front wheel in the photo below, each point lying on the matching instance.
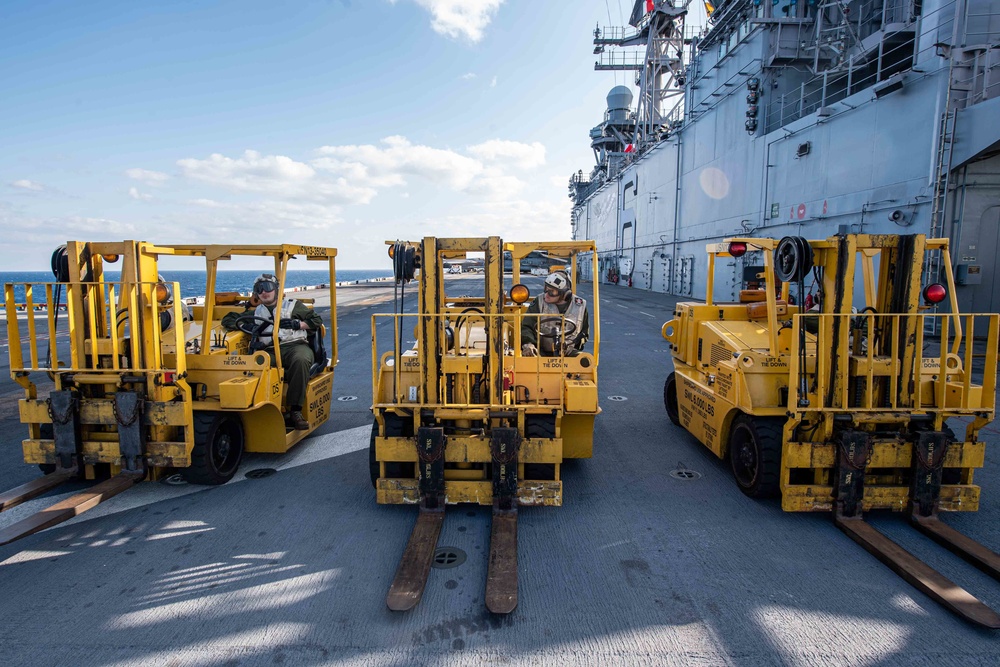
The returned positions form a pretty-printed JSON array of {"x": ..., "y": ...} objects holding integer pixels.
[
  {"x": 670, "y": 399},
  {"x": 218, "y": 448},
  {"x": 755, "y": 455}
]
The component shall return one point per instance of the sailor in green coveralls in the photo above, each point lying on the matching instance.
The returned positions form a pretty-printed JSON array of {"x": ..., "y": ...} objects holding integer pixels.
[
  {"x": 296, "y": 322},
  {"x": 547, "y": 332}
]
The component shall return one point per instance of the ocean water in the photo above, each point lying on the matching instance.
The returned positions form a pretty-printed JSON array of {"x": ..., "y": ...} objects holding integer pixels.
[{"x": 193, "y": 282}]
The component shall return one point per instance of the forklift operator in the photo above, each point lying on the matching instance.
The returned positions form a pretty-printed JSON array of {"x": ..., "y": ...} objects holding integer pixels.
[
  {"x": 296, "y": 354},
  {"x": 557, "y": 300}
]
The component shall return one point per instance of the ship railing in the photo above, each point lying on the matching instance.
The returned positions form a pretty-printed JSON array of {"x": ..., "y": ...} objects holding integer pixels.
[
  {"x": 952, "y": 371},
  {"x": 614, "y": 34},
  {"x": 834, "y": 85},
  {"x": 100, "y": 317},
  {"x": 855, "y": 74},
  {"x": 632, "y": 60},
  {"x": 981, "y": 74}
]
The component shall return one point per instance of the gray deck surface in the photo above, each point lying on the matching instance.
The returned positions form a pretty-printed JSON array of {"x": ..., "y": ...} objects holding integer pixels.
[{"x": 636, "y": 568}]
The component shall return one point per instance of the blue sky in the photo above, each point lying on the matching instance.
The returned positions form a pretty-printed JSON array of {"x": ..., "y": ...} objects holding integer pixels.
[{"x": 337, "y": 122}]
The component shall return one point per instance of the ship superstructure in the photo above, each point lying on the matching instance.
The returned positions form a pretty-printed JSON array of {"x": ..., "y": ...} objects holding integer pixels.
[{"x": 796, "y": 117}]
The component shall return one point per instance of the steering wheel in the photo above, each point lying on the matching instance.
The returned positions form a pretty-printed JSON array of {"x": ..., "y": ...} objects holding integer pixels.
[
  {"x": 553, "y": 327},
  {"x": 249, "y": 323},
  {"x": 253, "y": 326}
]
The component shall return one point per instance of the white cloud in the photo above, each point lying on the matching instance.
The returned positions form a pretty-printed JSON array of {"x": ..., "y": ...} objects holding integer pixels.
[
  {"x": 263, "y": 221},
  {"x": 461, "y": 18},
  {"x": 514, "y": 220},
  {"x": 397, "y": 159},
  {"x": 146, "y": 176},
  {"x": 468, "y": 76},
  {"x": 495, "y": 184},
  {"x": 276, "y": 175},
  {"x": 134, "y": 193},
  {"x": 210, "y": 203},
  {"x": 25, "y": 184},
  {"x": 493, "y": 82},
  {"x": 523, "y": 156}
]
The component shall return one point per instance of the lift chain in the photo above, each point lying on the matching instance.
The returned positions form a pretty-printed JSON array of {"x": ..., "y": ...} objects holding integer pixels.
[
  {"x": 506, "y": 451},
  {"x": 934, "y": 458},
  {"x": 430, "y": 470},
  {"x": 929, "y": 448},
  {"x": 65, "y": 417},
  {"x": 136, "y": 411},
  {"x": 850, "y": 476},
  {"x": 851, "y": 458},
  {"x": 432, "y": 451},
  {"x": 505, "y": 443}
]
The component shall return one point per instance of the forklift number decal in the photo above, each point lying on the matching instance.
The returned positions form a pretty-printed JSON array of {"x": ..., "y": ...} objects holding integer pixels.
[
  {"x": 234, "y": 361},
  {"x": 312, "y": 251}
]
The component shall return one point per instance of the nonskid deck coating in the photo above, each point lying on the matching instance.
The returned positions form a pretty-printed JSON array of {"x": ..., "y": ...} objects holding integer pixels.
[{"x": 637, "y": 567}]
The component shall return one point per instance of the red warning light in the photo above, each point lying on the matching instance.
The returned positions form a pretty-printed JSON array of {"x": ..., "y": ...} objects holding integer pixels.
[
  {"x": 935, "y": 293},
  {"x": 737, "y": 248}
]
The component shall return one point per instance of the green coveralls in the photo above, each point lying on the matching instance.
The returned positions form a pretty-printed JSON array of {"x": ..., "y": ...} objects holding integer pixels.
[{"x": 296, "y": 357}]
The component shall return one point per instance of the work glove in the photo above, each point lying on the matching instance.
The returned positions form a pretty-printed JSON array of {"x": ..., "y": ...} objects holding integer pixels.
[
  {"x": 289, "y": 323},
  {"x": 529, "y": 350}
]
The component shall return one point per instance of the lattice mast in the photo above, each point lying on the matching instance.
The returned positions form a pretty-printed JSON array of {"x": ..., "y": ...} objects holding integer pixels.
[{"x": 658, "y": 27}]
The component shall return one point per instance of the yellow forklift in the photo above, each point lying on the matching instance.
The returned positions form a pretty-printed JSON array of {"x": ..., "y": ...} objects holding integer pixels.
[
  {"x": 463, "y": 416},
  {"x": 839, "y": 401},
  {"x": 150, "y": 386}
]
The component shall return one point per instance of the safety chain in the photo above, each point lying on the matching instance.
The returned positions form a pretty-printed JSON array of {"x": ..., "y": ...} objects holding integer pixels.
[
  {"x": 432, "y": 455},
  {"x": 509, "y": 457},
  {"x": 939, "y": 455},
  {"x": 132, "y": 418},
  {"x": 63, "y": 418},
  {"x": 850, "y": 459}
]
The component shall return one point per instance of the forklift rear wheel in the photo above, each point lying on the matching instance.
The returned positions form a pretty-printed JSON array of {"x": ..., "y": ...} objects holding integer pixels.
[
  {"x": 670, "y": 399},
  {"x": 755, "y": 455},
  {"x": 218, "y": 448}
]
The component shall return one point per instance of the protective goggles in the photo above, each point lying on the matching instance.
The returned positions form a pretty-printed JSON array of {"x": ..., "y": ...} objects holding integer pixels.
[
  {"x": 265, "y": 286},
  {"x": 552, "y": 291}
]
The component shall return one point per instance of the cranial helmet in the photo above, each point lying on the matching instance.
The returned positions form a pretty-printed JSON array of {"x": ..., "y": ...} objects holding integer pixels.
[
  {"x": 265, "y": 282},
  {"x": 560, "y": 281}
]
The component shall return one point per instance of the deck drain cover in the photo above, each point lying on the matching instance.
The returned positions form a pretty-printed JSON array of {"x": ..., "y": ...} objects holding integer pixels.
[
  {"x": 617, "y": 398},
  {"x": 347, "y": 398},
  {"x": 175, "y": 480},
  {"x": 259, "y": 473},
  {"x": 448, "y": 557},
  {"x": 684, "y": 473}
]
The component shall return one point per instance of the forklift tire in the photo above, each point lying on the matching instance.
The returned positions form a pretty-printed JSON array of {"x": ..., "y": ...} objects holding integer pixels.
[
  {"x": 670, "y": 399},
  {"x": 755, "y": 455},
  {"x": 218, "y": 449},
  {"x": 540, "y": 426}
]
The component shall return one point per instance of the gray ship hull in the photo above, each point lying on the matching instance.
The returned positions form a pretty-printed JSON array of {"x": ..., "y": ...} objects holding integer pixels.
[{"x": 905, "y": 147}]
